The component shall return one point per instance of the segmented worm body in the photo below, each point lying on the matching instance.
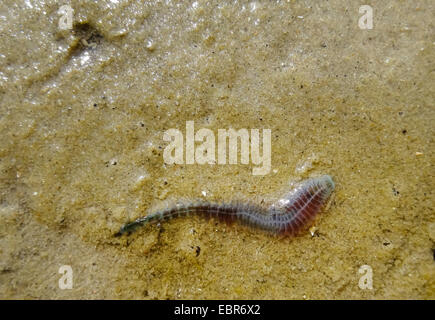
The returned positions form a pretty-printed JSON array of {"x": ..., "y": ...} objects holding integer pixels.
[{"x": 288, "y": 216}]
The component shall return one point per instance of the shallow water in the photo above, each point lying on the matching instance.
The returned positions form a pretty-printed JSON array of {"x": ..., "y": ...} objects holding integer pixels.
[{"x": 84, "y": 111}]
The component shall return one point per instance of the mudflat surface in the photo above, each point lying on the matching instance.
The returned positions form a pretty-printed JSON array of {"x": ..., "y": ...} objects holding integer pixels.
[{"x": 82, "y": 117}]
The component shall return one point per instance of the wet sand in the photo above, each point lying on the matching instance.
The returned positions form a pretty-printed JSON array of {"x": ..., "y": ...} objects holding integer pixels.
[{"x": 82, "y": 118}]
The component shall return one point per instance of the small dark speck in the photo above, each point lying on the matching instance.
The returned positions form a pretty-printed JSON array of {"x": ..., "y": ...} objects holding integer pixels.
[
  {"x": 404, "y": 131},
  {"x": 198, "y": 250},
  {"x": 400, "y": 113},
  {"x": 95, "y": 104},
  {"x": 396, "y": 192},
  {"x": 302, "y": 86},
  {"x": 142, "y": 124},
  {"x": 386, "y": 243},
  {"x": 6, "y": 270},
  {"x": 165, "y": 183},
  {"x": 323, "y": 45}
]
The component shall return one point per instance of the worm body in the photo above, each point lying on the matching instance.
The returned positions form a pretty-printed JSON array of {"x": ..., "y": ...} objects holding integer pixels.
[{"x": 287, "y": 216}]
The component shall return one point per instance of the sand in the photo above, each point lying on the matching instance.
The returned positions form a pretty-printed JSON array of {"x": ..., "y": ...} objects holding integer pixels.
[{"x": 82, "y": 117}]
